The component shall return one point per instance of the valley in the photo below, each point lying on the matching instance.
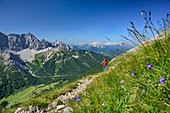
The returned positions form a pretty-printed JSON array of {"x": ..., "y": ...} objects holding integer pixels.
[{"x": 29, "y": 71}]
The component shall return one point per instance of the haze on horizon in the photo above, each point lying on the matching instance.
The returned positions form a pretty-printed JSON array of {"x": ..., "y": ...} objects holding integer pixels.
[{"x": 77, "y": 21}]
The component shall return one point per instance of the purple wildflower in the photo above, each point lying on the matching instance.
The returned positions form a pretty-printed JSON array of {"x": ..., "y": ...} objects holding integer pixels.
[
  {"x": 78, "y": 97},
  {"x": 85, "y": 93},
  {"x": 97, "y": 90},
  {"x": 122, "y": 81},
  {"x": 78, "y": 100},
  {"x": 74, "y": 97},
  {"x": 101, "y": 94},
  {"x": 104, "y": 102},
  {"x": 143, "y": 91},
  {"x": 149, "y": 65},
  {"x": 162, "y": 79},
  {"x": 133, "y": 73},
  {"x": 67, "y": 103}
]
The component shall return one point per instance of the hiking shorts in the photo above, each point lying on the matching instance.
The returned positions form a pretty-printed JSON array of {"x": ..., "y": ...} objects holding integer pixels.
[{"x": 104, "y": 67}]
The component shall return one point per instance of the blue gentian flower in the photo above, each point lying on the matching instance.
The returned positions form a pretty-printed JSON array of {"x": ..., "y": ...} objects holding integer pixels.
[
  {"x": 67, "y": 103},
  {"x": 162, "y": 79},
  {"x": 78, "y": 100},
  {"x": 149, "y": 65},
  {"x": 104, "y": 102},
  {"x": 78, "y": 97},
  {"x": 143, "y": 91},
  {"x": 133, "y": 73},
  {"x": 85, "y": 93},
  {"x": 74, "y": 97},
  {"x": 101, "y": 94}
]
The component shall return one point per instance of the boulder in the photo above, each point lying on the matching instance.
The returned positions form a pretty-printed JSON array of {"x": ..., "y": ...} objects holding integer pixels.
[
  {"x": 42, "y": 111},
  {"x": 48, "y": 101},
  {"x": 23, "y": 111},
  {"x": 67, "y": 110},
  {"x": 32, "y": 108},
  {"x": 87, "y": 79},
  {"x": 18, "y": 110},
  {"x": 49, "y": 108},
  {"x": 60, "y": 107},
  {"x": 37, "y": 110},
  {"x": 55, "y": 104}
]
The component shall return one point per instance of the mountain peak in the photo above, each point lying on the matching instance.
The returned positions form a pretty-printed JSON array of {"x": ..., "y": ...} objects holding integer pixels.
[{"x": 111, "y": 43}]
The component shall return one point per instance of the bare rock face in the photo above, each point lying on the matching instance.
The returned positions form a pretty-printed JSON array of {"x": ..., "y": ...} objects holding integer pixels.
[
  {"x": 12, "y": 59},
  {"x": 19, "y": 42},
  {"x": 3, "y": 41},
  {"x": 61, "y": 45},
  {"x": 25, "y": 45}
]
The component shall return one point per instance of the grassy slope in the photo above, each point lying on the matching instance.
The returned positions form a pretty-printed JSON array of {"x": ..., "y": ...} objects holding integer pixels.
[
  {"x": 27, "y": 93},
  {"x": 126, "y": 97}
]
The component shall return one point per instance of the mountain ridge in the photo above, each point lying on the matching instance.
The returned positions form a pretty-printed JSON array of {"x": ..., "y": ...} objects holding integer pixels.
[
  {"x": 21, "y": 42},
  {"x": 18, "y": 42}
]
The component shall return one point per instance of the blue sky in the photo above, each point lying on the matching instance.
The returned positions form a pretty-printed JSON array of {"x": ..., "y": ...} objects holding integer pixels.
[{"x": 75, "y": 21}]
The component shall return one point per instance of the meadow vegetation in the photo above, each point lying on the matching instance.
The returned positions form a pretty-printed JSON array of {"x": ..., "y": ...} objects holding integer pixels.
[{"x": 137, "y": 81}]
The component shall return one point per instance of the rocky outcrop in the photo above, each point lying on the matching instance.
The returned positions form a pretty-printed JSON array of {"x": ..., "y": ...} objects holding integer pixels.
[
  {"x": 14, "y": 60},
  {"x": 19, "y": 42},
  {"x": 3, "y": 41},
  {"x": 19, "y": 47},
  {"x": 61, "y": 45},
  {"x": 18, "y": 110}
]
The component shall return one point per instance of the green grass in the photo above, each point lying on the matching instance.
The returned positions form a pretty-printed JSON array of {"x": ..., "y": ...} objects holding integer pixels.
[
  {"x": 128, "y": 97},
  {"x": 26, "y": 94},
  {"x": 18, "y": 96}
]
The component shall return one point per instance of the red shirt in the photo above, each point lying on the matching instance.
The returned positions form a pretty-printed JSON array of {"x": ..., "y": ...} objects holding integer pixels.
[{"x": 105, "y": 63}]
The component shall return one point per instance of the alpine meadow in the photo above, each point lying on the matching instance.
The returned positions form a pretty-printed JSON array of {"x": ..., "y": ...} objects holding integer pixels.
[{"x": 85, "y": 74}]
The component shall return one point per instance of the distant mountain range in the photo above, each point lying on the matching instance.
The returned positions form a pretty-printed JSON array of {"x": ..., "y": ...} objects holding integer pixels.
[
  {"x": 111, "y": 49},
  {"x": 19, "y": 42},
  {"x": 27, "y": 61}
]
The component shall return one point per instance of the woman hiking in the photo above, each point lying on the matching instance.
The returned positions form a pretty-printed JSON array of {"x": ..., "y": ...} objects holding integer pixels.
[{"x": 104, "y": 64}]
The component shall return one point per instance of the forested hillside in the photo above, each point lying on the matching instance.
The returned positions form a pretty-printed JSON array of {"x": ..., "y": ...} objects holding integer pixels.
[
  {"x": 60, "y": 63},
  {"x": 47, "y": 68}
]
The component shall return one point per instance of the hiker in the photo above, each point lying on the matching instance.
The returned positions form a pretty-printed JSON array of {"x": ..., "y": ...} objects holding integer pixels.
[{"x": 104, "y": 64}]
